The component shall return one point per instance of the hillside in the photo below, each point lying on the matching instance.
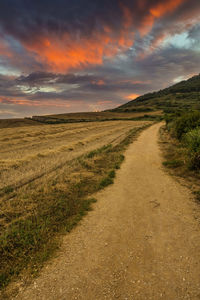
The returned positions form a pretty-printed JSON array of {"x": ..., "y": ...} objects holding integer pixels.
[{"x": 179, "y": 97}]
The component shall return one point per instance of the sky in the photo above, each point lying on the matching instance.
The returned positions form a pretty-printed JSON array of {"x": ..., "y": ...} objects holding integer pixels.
[{"x": 90, "y": 55}]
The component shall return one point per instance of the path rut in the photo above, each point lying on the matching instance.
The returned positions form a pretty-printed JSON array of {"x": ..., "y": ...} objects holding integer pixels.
[{"x": 140, "y": 242}]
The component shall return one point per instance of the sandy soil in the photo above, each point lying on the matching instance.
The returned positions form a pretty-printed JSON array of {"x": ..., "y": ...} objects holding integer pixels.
[{"x": 140, "y": 242}]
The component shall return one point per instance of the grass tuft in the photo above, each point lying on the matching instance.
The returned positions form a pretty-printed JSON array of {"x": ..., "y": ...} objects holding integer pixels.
[
  {"x": 175, "y": 163},
  {"x": 105, "y": 182},
  {"x": 112, "y": 174},
  {"x": 197, "y": 195},
  {"x": 8, "y": 189}
]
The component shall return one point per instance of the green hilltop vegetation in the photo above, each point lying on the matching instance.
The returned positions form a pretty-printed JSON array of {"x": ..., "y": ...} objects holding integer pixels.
[{"x": 180, "y": 97}]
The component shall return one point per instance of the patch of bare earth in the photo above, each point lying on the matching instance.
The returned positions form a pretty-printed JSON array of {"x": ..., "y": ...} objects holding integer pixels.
[{"x": 140, "y": 242}]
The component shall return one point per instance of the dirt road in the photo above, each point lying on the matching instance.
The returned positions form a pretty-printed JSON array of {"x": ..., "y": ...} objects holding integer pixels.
[{"x": 140, "y": 242}]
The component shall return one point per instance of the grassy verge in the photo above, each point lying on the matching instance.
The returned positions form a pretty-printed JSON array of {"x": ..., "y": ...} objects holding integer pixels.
[
  {"x": 173, "y": 152},
  {"x": 184, "y": 132},
  {"x": 177, "y": 160},
  {"x": 53, "y": 207}
]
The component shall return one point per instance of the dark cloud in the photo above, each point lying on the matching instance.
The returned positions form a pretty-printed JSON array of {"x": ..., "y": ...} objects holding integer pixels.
[
  {"x": 45, "y": 78},
  {"x": 24, "y": 17},
  {"x": 79, "y": 54},
  {"x": 63, "y": 35},
  {"x": 194, "y": 36},
  {"x": 36, "y": 78}
]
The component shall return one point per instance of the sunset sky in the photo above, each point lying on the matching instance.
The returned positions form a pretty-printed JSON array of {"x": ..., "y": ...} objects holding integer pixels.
[{"x": 87, "y": 55}]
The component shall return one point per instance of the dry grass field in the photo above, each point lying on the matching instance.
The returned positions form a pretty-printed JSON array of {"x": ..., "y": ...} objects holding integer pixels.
[
  {"x": 47, "y": 174},
  {"x": 30, "y": 152}
]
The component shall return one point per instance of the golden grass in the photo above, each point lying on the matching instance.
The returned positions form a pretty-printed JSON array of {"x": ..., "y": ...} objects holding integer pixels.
[{"x": 29, "y": 152}]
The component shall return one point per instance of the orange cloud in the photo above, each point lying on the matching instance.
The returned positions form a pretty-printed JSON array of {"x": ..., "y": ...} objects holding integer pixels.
[
  {"x": 132, "y": 96},
  {"x": 66, "y": 52},
  {"x": 158, "y": 11},
  {"x": 146, "y": 25},
  {"x": 98, "y": 82},
  {"x": 127, "y": 16},
  {"x": 61, "y": 53},
  {"x": 165, "y": 7},
  {"x": 126, "y": 35}
]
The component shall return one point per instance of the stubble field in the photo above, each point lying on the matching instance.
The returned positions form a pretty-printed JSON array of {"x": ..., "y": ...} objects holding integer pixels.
[{"x": 27, "y": 153}]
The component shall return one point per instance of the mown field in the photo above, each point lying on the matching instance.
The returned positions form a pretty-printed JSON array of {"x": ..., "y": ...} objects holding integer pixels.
[
  {"x": 31, "y": 152},
  {"x": 48, "y": 174}
]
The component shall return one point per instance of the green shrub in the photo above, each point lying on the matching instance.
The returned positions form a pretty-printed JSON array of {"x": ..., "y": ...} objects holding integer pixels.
[
  {"x": 173, "y": 163},
  {"x": 105, "y": 182},
  {"x": 192, "y": 143},
  {"x": 8, "y": 189},
  {"x": 112, "y": 174},
  {"x": 197, "y": 194},
  {"x": 192, "y": 140},
  {"x": 185, "y": 123},
  {"x": 194, "y": 161}
]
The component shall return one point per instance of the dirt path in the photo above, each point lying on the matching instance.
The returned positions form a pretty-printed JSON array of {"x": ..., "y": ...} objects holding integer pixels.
[{"x": 140, "y": 242}]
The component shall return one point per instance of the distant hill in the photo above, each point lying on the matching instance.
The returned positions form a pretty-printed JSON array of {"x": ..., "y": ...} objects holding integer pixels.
[
  {"x": 95, "y": 117},
  {"x": 181, "y": 96},
  {"x": 79, "y": 117},
  {"x": 10, "y": 123}
]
